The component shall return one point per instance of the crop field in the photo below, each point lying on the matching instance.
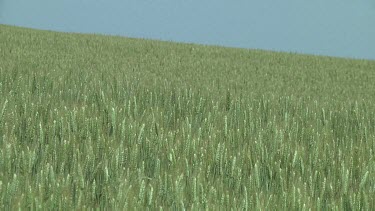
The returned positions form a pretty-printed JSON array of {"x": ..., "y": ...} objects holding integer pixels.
[{"x": 94, "y": 122}]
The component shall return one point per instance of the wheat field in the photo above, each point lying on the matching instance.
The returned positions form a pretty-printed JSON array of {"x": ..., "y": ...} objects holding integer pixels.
[{"x": 104, "y": 122}]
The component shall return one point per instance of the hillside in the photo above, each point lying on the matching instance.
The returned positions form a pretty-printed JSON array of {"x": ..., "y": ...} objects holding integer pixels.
[
  {"x": 92, "y": 121},
  {"x": 212, "y": 70}
]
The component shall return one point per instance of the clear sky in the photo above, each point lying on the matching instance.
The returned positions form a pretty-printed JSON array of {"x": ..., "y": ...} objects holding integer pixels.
[{"x": 342, "y": 28}]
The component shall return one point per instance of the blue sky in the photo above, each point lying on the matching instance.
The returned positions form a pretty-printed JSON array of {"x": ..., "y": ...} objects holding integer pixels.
[{"x": 342, "y": 28}]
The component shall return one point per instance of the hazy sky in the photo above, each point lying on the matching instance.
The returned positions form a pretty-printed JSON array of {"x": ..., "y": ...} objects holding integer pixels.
[{"x": 344, "y": 28}]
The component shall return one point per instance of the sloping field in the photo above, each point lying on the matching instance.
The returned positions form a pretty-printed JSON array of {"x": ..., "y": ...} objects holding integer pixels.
[{"x": 101, "y": 121}]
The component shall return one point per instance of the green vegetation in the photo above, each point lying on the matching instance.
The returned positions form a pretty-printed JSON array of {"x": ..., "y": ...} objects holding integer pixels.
[{"x": 91, "y": 121}]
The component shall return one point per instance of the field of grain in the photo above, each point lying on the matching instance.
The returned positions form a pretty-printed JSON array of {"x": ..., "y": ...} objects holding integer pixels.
[{"x": 91, "y": 121}]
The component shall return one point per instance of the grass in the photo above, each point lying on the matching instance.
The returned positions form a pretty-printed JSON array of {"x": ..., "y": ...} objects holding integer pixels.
[{"x": 91, "y": 121}]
